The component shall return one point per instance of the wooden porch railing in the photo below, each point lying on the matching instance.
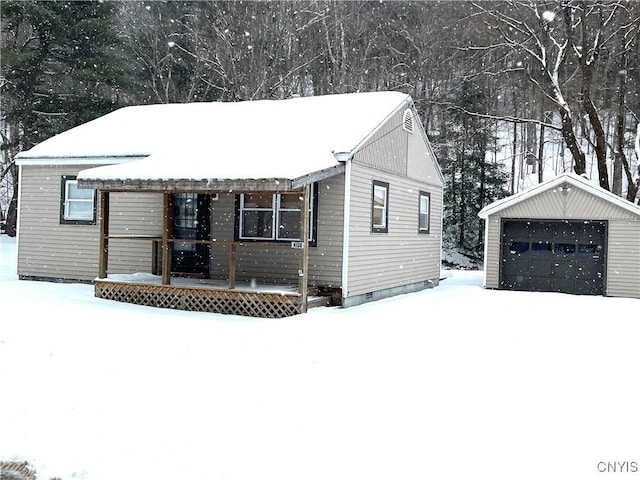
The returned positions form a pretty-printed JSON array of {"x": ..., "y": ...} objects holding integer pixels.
[{"x": 156, "y": 247}]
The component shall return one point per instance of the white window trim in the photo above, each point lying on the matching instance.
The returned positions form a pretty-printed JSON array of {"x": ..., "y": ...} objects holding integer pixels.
[
  {"x": 255, "y": 209},
  {"x": 426, "y": 229},
  {"x": 68, "y": 217},
  {"x": 384, "y": 226}
]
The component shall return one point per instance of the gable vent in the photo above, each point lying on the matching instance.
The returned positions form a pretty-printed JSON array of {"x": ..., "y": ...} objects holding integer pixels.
[{"x": 407, "y": 121}]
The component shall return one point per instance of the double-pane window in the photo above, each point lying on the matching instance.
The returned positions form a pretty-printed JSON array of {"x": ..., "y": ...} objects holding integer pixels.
[
  {"x": 77, "y": 204},
  {"x": 424, "y": 212},
  {"x": 380, "y": 207},
  {"x": 267, "y": 216}
]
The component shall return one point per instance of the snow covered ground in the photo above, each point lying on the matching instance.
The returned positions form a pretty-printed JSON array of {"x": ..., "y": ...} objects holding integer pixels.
[{"x": 457, "y": 382}]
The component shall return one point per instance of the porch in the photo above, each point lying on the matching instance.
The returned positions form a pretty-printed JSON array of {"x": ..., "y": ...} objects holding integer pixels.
[
  {"x": 207, "y": 295},
  {"x": 218, "y": 290}
]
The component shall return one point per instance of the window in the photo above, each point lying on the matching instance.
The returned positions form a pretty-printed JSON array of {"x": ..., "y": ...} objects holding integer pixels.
[
  {"x": 380, "y": 207},
  {"x": 77, "y": 205},
  {"x": 424, "y": 215},
  {"x": 274, "y": 216}
]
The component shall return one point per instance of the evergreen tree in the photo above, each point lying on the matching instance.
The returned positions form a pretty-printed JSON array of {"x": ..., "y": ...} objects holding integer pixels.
[
  {"x": 61, "y": 66},
  {"x": 472, "y": 181}
]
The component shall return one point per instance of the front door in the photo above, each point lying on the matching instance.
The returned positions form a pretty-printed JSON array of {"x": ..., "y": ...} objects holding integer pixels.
[{"x": 191, "y": 220}]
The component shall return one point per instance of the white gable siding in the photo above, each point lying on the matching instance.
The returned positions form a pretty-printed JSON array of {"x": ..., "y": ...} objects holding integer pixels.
[
  {"x": 571, "y": 204},
  {"x": 421, "y": 161},
  {"x": 387, "y": 149}
]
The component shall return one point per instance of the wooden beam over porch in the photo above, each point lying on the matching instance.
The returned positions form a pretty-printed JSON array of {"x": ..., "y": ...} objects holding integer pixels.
[{"x": 207, "y": 185}]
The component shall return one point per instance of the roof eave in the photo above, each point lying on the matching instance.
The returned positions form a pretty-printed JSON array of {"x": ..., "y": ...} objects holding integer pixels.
[
  {"x": 206, "y": 185},
  {"x": 317, "y": 176},
  {"x": 77, "y": 160}
]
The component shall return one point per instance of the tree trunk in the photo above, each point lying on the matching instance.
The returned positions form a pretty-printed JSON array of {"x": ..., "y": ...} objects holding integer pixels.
[
  {"x": 541, "y": 143},
  {"x": 12, "y": 215},
  {"x": 463, "y": 200},
  {"x": 579, "y": 161},
  {"x": 513, "y": 158},
  {"x": 601, "y": 143},
  {"x": 619, "y": 145}
]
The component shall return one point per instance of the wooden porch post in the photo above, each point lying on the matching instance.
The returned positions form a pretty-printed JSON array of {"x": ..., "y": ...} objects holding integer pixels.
[
  {"x": 232, "y": 266},
  {"x": 303, "y": 280},
  {"x": 103, "y": 257},
  {"x": 167, "y": 233}
]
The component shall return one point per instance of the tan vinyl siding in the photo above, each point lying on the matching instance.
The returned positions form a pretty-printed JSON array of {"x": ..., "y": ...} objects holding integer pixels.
[
  {"x": 48, "y": 249},
  {"x": 325, "y": 259},
  {"x": 45, "y": 247},
  {"x": 280, "y": 264},
  {"x": 402, "y": 256},
  {"x": 492, "y": 252},
  {"x": 133, "y": 214},
  {"x": 222, "y": 225},
  {"x": 254, "y": 261},
  {"x": 623, "y": 234},
  {"x": 623, "y": 259}
]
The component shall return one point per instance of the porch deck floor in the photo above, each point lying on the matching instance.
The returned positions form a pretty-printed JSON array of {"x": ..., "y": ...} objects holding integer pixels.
[{"x": 150, "y": 279}]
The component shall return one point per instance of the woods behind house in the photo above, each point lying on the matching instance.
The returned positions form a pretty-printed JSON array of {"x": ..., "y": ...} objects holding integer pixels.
[{"x": 508, "y": 91}]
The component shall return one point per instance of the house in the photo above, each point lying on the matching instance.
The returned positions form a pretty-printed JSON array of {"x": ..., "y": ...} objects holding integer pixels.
[
  {"x": 256, "y": 208},
  {"x": 564, "y": 235}
]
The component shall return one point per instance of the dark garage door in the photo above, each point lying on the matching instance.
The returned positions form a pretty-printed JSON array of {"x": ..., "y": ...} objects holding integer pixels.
[{"x": 553, "y": 256}]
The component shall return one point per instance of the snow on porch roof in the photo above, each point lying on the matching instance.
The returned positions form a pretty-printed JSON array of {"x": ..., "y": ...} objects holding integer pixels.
[{"x": 264, "y": 139}]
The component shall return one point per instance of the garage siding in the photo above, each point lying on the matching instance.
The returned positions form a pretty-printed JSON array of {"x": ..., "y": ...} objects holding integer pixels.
[
  {"x": 622, "y": 277},
  {"x": 623, "y": 263},
  {"x": 565, "y": 205},
  {"x": 493, "y": 243}
]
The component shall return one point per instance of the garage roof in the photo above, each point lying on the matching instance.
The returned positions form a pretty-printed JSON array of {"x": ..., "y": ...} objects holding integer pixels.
[{"x": 567, "y": 178}]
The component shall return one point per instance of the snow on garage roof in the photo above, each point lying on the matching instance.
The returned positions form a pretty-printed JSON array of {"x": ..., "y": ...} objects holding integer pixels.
[
  {"x": 222, "y": 140},
  {"x": 570, "y": 178}
]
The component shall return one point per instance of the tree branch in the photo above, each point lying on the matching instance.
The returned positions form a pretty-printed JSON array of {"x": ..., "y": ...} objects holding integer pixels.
[{"x": 506, "y": 118}]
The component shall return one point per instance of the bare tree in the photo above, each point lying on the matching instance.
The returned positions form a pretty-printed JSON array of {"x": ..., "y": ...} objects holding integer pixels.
[{"x": 559, "y": 47}]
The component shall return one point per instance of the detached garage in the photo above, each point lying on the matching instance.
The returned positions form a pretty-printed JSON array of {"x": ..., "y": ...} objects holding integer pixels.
[{"x": 565, "y": 235}]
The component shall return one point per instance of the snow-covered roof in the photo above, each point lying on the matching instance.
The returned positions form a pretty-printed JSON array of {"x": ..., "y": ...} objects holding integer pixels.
[
  {"x": 570, "y": 178},
  {"x": 263, "y": 139}
]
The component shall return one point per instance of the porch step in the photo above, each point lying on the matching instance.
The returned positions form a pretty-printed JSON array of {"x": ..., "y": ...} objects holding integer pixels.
[{"x": 319, "y": 301}]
